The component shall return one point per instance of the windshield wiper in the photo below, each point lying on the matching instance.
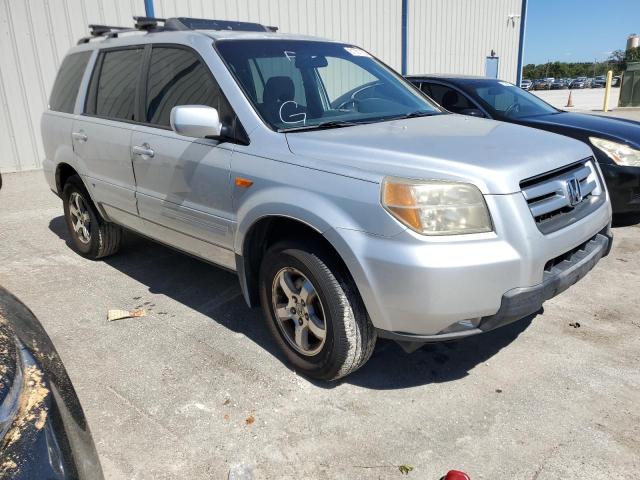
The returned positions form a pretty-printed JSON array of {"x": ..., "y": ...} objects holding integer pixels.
[
  {"x": 416, "y": 114},
  {"x": 324, "y": 125},
  {"x": 344, "y": 123}
]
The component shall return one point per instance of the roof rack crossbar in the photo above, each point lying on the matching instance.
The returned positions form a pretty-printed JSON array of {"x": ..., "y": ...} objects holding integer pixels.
[{"x": 150, "y": 24}]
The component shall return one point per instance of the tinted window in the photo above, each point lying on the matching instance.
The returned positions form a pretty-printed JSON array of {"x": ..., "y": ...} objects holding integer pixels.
[
  {"x": 65, "y": 88},
  {"x": 448, "y": 97},
  {"x": 115, "y": 88},
  {"x": 178, "y": 77}
]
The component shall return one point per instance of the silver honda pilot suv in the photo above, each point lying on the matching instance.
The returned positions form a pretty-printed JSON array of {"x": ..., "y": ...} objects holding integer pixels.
[{"x": 351, "y": 206}]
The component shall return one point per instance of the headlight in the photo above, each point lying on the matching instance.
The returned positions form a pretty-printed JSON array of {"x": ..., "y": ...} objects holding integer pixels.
[
  {"x": 618, "y": 152},
  {"x": 433, "y": 207}
]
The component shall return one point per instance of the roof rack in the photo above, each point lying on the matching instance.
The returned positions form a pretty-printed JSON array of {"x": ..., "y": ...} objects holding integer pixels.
[
  {"x": 150, "y": 24},
  {"x": 188, "y": 23}
]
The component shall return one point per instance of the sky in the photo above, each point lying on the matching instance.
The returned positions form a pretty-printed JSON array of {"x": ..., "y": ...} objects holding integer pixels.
[{"x": 578, "y": 30}]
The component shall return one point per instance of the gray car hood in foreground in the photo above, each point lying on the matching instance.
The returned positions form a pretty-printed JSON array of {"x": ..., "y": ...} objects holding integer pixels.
[{"x": 494, "y": 156}]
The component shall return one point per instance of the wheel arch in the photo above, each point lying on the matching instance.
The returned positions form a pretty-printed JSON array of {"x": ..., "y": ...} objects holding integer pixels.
[
  {"x": 63, "y": 172},
  {"x": 265, "y": 232}
]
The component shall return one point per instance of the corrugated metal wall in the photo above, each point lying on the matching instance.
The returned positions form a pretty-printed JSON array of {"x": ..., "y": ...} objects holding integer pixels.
[
  {"x": 456, "y": 36},
  {"x": 443, "y": 35},
  {"x": 374, "y": 25},
  {"x": 34, "y": 37}
]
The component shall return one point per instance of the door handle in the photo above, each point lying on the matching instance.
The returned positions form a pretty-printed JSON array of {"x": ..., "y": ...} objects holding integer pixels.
[
  {"x": 143, "y": 150},
  {"x": 80, "y": 136}
]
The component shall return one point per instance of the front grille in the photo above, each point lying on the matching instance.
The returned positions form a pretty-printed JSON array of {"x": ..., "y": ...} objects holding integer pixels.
[{"x": 563, "y": 196}]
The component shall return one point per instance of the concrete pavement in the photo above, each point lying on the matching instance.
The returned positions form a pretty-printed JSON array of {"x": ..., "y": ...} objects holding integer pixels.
[{"x": 197, "y": 388}]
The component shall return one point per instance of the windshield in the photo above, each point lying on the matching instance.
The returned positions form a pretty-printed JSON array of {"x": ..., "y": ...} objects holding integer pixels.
[
  {"x": 299, "y": 84},
  {"x": 503, "y": 99}
]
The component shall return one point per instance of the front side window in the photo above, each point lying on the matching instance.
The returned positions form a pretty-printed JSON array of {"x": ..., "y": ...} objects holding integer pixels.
[
  {"x": 178, "y": 77},
  {"x": 65, "y": 88},
  {"x": 296, "y": 84}
]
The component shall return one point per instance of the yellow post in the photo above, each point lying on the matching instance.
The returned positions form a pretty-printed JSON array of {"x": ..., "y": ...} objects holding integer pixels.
[{"x": 607, "y": 91}]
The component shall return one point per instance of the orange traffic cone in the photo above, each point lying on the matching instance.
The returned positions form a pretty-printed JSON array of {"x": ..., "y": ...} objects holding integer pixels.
[{"x": 569, "y": 102}]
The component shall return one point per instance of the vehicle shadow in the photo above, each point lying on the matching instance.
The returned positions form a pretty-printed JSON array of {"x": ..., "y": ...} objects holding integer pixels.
[
  {"x": 625, "y": 220},
  {"x": 390, "y": 367},
  {"x": 216, "y": 293}
]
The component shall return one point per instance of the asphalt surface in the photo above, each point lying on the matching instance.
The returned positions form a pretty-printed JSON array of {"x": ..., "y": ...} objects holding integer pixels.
[{"x": 196, "y": 389}]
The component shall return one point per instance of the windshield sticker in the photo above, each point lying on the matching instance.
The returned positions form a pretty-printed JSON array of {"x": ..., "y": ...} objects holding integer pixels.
[
  {"x": 356, "y": 52},
  {"x": 506, "y": 84},
  {"x": 299, "y": 117}
]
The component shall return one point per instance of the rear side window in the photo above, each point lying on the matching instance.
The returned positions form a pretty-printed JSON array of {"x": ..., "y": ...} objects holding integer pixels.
[
  {"x": 178, "y": 77},
  {"x": 65, "y": 88},
  {"x": 114, "y": 84}
]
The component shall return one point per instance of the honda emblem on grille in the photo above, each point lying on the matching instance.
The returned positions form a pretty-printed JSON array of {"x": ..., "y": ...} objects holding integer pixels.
[{"x": 573, "y": 191}]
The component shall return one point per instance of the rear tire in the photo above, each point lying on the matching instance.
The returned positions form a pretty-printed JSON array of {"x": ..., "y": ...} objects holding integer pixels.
[
  {"x": 91, "y": 236},
  {"x": 339, "y": 337}
]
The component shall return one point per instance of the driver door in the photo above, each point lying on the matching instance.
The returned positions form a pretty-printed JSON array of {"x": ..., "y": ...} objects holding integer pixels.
[{"x": 182, "y": 184}]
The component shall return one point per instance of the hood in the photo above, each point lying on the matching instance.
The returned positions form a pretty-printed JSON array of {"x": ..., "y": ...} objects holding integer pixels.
[
  {"x": 618, "y": 129},
  {"x": 492, "y": 155}
]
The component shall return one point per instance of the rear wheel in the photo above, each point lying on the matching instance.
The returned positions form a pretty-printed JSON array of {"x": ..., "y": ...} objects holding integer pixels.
[
  {"x": 91, "y": 236},
  {"x": 314, "y": 312}
]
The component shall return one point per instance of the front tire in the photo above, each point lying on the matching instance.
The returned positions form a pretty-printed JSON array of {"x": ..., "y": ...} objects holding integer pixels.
[
  {"x": 91, "y": 236},
  {"x": 314, "y": 312}
]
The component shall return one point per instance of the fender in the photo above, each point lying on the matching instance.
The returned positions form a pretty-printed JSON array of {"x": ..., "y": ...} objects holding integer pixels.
[{"x": 321, "y": 212}]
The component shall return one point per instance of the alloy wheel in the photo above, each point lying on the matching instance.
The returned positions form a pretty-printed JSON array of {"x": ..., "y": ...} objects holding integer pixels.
[
  {"x": 299, "y": 312},
  {"x": 80, "y": 218}
]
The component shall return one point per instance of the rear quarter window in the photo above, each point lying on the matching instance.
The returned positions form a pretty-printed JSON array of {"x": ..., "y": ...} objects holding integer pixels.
[
  {"x": 112, "y": 93},
  {"x": 65, "y": 88}
]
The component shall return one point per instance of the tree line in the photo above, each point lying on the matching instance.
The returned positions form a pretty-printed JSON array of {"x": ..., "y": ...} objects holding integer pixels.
[{"x": 617, "y": 62}]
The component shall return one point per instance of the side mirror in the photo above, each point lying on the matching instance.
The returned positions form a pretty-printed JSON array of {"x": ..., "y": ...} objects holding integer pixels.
[
  {"x": 197, "y": 121},
  {"x": 472, "y": 112}
]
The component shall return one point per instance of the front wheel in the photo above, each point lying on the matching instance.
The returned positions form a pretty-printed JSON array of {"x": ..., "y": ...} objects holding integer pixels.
[{"x": 314, "y": 312}]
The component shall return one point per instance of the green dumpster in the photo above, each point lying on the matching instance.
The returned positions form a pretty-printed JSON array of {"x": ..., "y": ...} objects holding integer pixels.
[{"x": 630, "y": 88}]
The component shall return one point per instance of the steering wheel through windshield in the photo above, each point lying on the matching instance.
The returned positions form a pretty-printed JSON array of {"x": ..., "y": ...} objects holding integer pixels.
[{"x": 514, "y": 108}]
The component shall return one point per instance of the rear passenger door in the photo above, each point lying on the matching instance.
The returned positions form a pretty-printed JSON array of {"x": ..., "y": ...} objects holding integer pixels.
[
  {"x": 102, "y": 135},
  {"x": 183, "y": 186}
]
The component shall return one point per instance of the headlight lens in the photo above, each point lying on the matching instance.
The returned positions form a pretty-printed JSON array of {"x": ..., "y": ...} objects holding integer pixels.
[
  {"x": 435, "y": 207},
  {"x": 618, "y": 152}
]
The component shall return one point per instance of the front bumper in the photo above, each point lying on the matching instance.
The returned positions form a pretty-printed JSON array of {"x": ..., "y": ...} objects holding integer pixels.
[
  {"x": 623, "y": 184},
  {"x": 519, "y": 303},
  {"x": 425, "y": 286}
]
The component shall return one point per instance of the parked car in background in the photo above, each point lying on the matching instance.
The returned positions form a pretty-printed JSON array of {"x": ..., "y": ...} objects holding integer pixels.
[
  {"x": 615, "y": 141},
  {"x": 350, "y": 205},
  {"x": 525, "y": 84},
  {"x": 541, "y": 85},
  {"x": 559, "y": 85},
  {"x": 616, "y": 81},
  {"x": 578, "y": 84},
  {"x": 44, "y": 433},
  {"x": 599, "y": 82}
]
